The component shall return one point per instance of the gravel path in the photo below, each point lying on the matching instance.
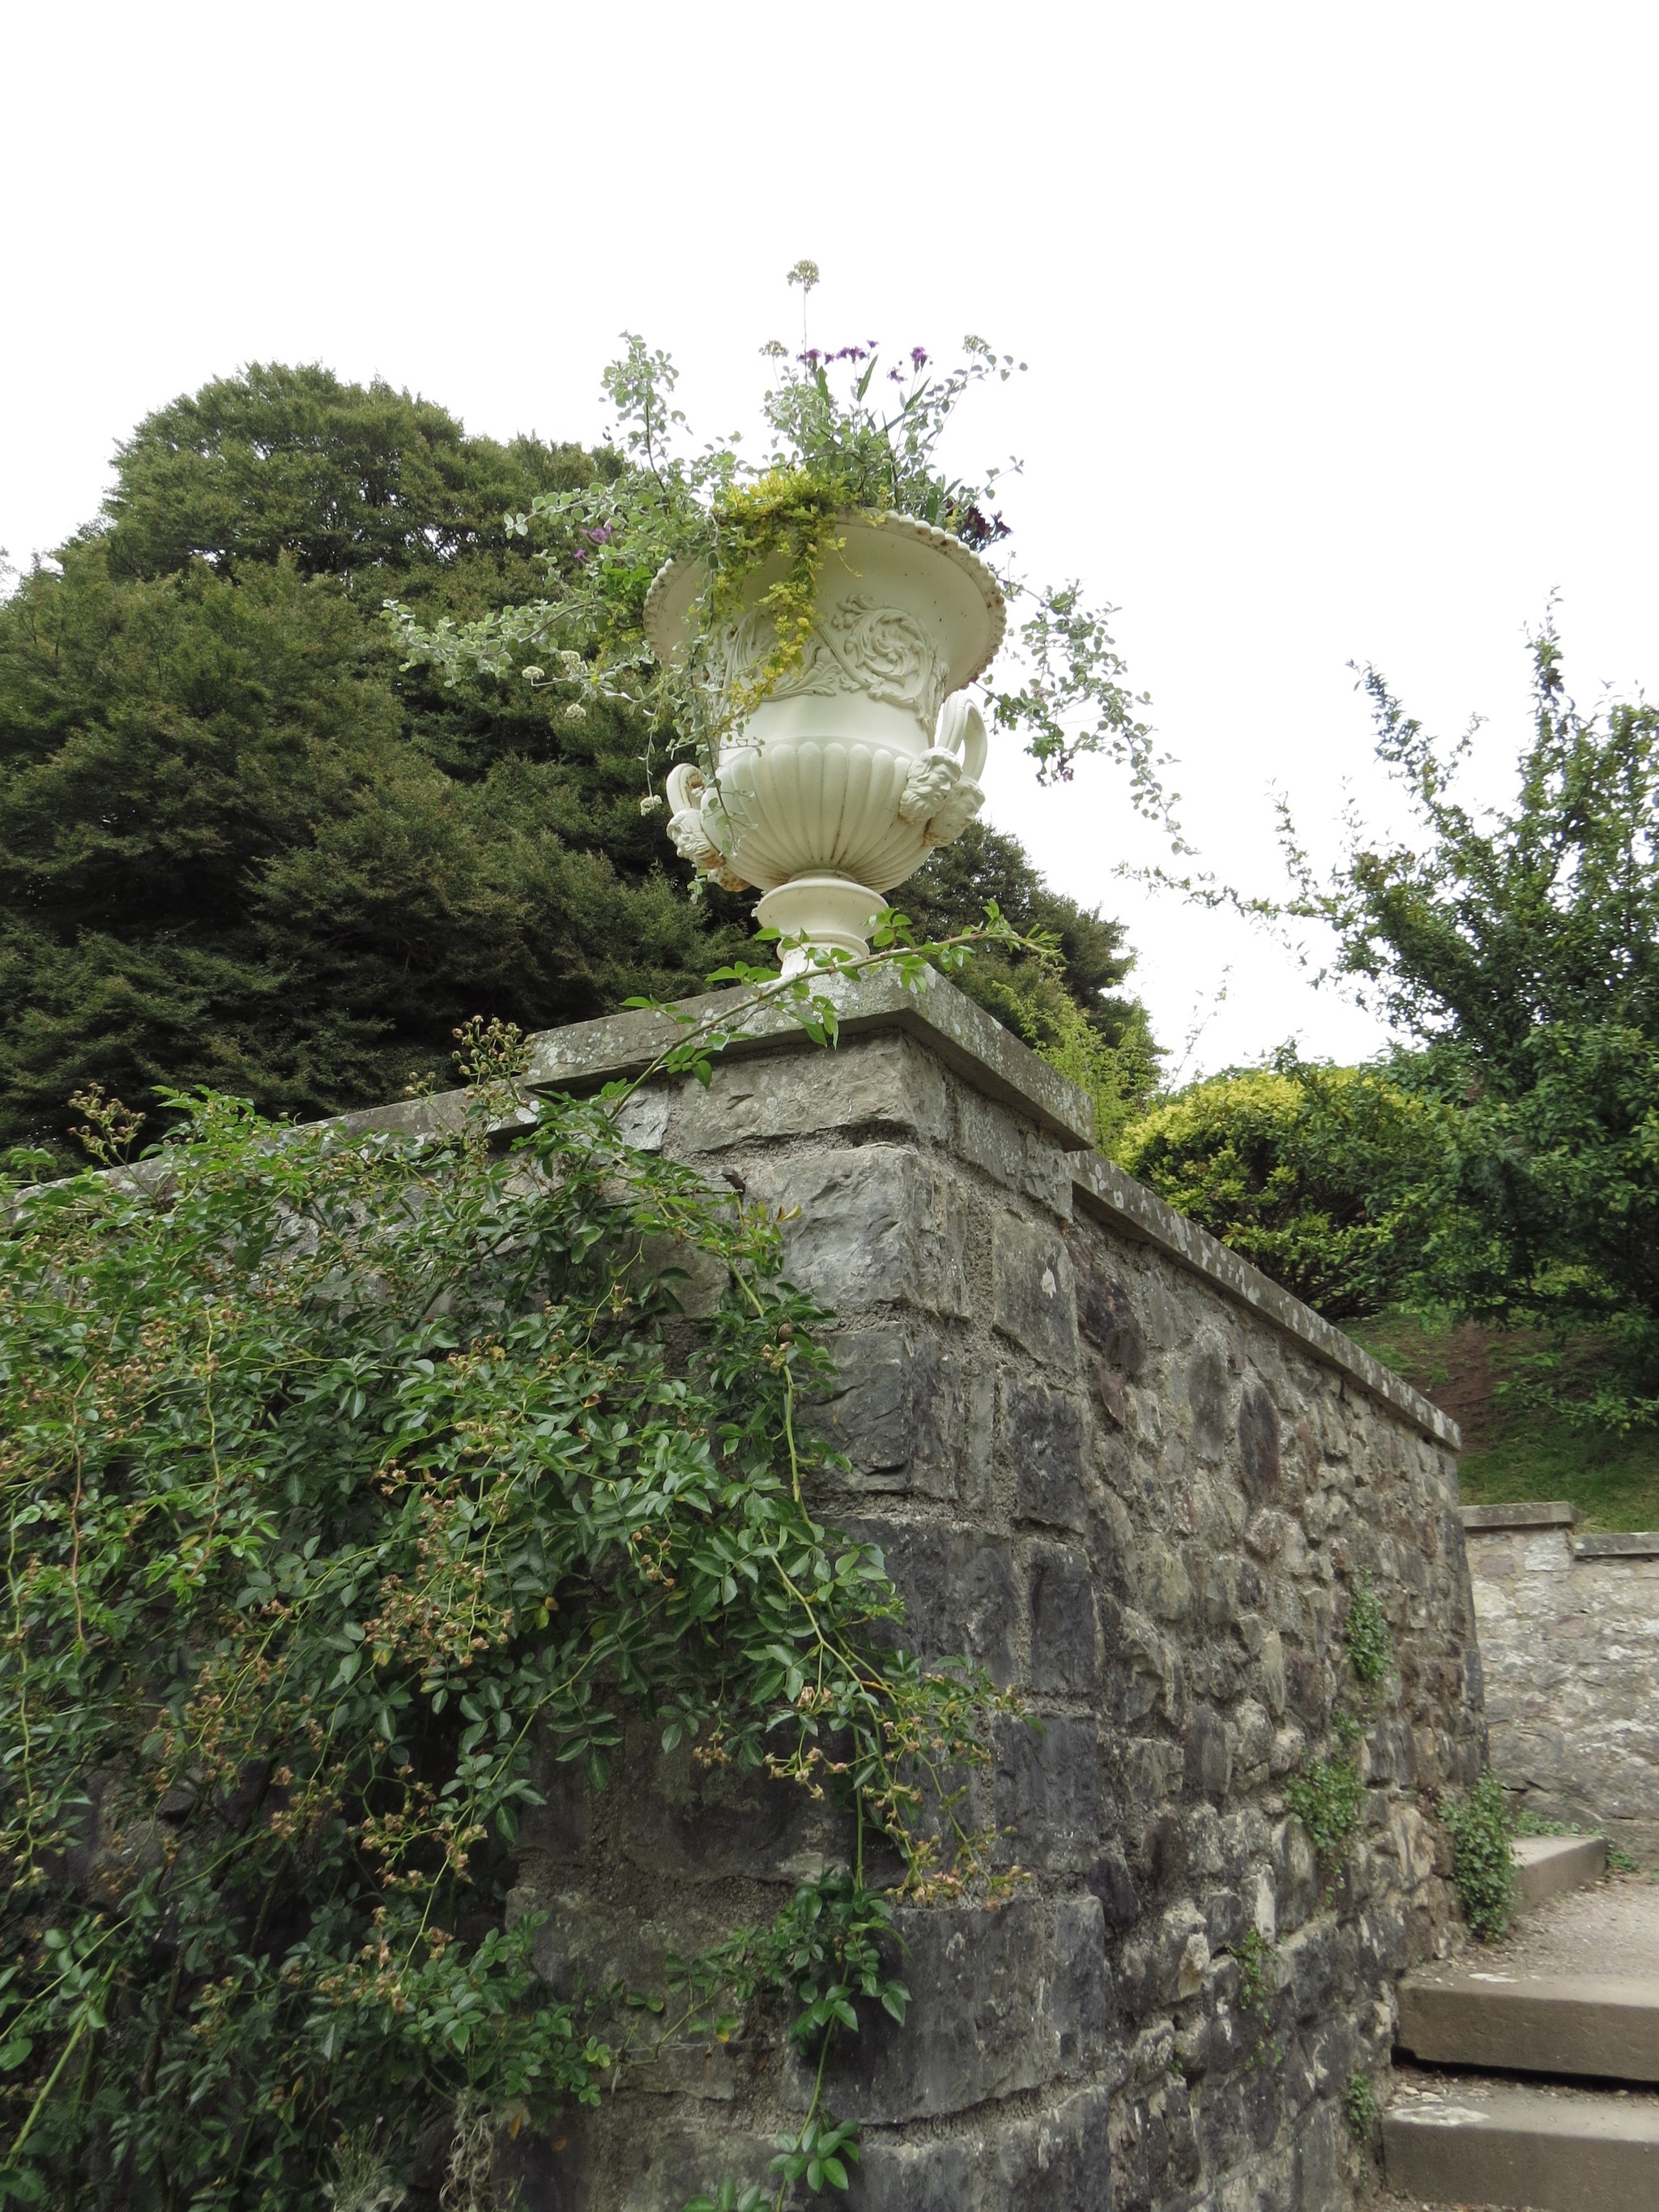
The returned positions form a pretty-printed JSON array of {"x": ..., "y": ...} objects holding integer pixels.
[{"x": 1611, "y": 1928}]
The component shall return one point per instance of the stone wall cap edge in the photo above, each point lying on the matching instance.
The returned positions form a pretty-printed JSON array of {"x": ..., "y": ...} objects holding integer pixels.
[
  {"x": 1554, "y": 1513},
  {"x": 584, "y": 1055}
]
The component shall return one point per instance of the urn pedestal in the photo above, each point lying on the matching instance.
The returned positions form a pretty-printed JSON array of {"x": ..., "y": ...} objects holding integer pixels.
[{"x": 863, "y": 755}]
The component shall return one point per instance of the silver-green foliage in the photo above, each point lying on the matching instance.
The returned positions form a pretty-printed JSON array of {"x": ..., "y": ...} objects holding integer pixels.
[{"x": 847, "y": 429}]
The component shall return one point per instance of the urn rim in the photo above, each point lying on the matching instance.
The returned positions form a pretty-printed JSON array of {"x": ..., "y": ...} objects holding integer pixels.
[{"x": 676, "y": 585}]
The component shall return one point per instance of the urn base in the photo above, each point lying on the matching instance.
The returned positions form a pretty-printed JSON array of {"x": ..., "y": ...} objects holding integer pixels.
[{"x": 825, "y": 909}]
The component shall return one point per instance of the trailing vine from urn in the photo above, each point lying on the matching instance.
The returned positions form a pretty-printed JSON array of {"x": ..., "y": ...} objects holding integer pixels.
[{"x": 849, "y": 431}]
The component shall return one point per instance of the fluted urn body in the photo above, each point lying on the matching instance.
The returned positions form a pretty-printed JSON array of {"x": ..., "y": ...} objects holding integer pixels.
[{"x": 860, "y": 757}]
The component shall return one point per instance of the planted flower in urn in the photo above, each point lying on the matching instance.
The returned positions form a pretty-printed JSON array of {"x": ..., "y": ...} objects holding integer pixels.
[{"x": 815, "y": 632}]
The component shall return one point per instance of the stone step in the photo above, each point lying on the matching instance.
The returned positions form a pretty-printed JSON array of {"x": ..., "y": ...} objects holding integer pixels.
[
  {"x": 1596, "y": 2026},
  {"x": 1546, "y": 1865},
  {"x": 1477, "y": 2144}
]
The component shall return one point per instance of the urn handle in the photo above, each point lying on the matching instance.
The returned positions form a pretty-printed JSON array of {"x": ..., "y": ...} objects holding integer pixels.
[
  {"x": 961, "y": 729},
  {"x": 694, "y": 812}
]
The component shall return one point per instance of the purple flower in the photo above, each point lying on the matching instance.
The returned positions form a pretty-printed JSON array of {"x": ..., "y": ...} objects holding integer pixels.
[
  {"x": 918, "y": 358},
  {"x": 974, "y": 530}
]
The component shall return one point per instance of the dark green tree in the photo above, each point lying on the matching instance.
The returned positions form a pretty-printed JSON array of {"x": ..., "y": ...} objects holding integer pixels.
[
  {"x": 1073, "y": 1012},
  {"x": 348, "y": 479},
  {"x": 241, "y": 845},
  {"x": 244, "y": 847},
  {"x": 1520, "y": 950}
]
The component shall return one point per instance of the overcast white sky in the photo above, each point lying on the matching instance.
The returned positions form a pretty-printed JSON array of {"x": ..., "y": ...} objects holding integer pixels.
[{"x": 1341, "y": 318}]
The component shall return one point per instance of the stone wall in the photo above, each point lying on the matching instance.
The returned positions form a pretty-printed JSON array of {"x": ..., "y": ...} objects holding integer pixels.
[
  {"x": 1129, "y": 1475},
  {"x": 1569, "y": 1629}
]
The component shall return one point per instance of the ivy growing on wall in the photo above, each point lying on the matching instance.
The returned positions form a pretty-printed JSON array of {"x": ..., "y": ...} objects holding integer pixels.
[
  {"x": 1366, "y": 1634},
  {"x": 341, "y": 1473}
]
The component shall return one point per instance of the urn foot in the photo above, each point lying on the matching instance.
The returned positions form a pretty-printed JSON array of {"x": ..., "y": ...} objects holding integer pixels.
[{"x": 826, "y": 909}]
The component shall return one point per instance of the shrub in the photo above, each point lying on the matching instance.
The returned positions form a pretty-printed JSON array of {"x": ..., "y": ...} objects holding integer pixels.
[
  {"x": 1481, "y": 1825},
  {"x": 341, "y": 1472},
  {"x": 1515, "y": 944},
  {"x": 1322, "y": 1177}
]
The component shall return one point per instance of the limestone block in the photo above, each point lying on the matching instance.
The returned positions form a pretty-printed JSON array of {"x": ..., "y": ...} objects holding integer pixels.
[
  {"x": 961, "y": 1590},
  {"x": 1007, "y": 2002},
  {"x": 1142, "y": 1667},
  {"x": 1200, "y": 1826},
  {"x": 695, "y": 1279},
  {"x": 690, "y": 1824},
  {"x": 1253, "y": 1745},
  {"x": 888, "y": 1083},
  {"x": 1270, "y": 1671},
  {"x": 1111, "y": 1883},
  {"x": 1548, "y": 1552},
  {"x": 1165, "y": 1583},
  {"x": 1065, "y": 1627},
  {"x": 1053, "y": 2162},
  {"x": 1205, "y": 1395},
  {"x": 642, "y": 1119},
  {"x": 1049, "y": 1791},
  {"x": 1296, "y": 1873},
  {"x": 1017, "y": 1155},
  {"x": 1107, "y": 1309},
  {"x": 1258, "y": 1443},
  {"x": 1308, "y": 1961},
  {"x": 1150, "y": 1769},
  {"x": 1033, "y": 1297},
  {"x": 911, "y": 1413},
  {"x": 876, "y": 1226},
  {"x": 1042, "y": 1439}
]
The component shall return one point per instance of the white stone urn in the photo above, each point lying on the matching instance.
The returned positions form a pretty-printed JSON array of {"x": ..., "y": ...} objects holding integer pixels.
[{"x": 861, "y": 757}]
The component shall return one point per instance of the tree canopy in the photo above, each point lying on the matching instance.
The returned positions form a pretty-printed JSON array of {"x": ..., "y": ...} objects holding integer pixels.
[
  {"x": 1076, "y": 1013},
  {"x": 1325, "y": 1177},
  {"x": 245, "y": 847},
  {"x": 1520, "y": 951}
]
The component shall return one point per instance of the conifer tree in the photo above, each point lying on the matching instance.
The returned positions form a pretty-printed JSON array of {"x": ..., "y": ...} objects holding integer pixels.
[{"x": 244, "y": 847}]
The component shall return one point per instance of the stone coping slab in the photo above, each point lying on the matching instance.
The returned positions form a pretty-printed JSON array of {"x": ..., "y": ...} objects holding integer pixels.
[
  {"x": 587, "y": 1054},
  {"x": 1117, "y": 1198},
  {"x": 1558, "y": 1514},
  {"x": 584, "y": 1056},
  {"x": 1633, "y": 1544}
]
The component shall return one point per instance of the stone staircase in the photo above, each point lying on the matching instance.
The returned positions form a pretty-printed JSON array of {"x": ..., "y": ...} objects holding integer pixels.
[{"x": 1551, "y": 2105}]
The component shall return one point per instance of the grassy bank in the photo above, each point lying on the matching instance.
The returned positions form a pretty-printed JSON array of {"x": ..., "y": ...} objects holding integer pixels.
[{"x": 1514, "y": 1452}]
